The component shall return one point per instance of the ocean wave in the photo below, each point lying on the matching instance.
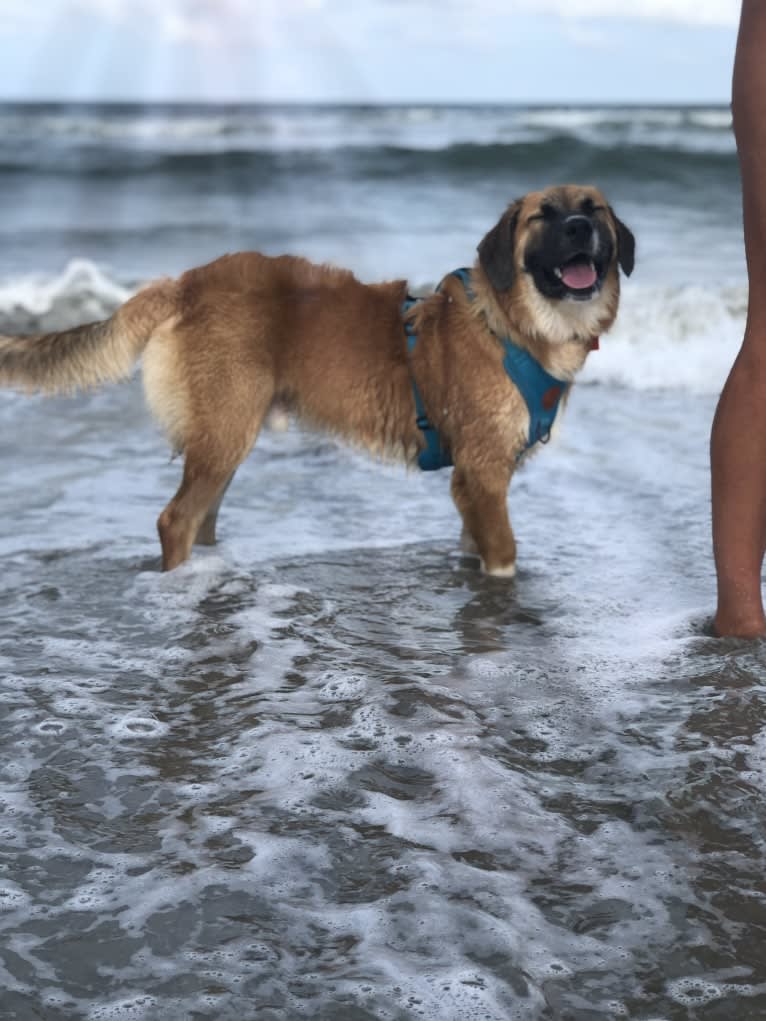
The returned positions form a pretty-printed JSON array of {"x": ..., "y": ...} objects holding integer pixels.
[
  {"x": 287, "y": 128},
  {"x": 682, "y": 338},
  {"x": 37, "y": 302},
  {"x": 548, "y": 158}
]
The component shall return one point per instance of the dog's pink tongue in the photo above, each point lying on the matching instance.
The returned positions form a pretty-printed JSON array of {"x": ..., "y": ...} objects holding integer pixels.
[{"x": 579, "y": 275}]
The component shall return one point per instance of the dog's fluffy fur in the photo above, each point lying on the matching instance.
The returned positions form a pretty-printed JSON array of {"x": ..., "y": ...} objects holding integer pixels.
[{"x": 226, "y": 342}]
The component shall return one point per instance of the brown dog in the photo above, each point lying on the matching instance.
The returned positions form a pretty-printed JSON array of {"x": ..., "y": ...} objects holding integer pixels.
[{"x": 224, "y": 343}]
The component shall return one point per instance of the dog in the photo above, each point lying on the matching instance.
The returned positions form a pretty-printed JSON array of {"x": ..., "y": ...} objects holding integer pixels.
[{"x": 428, "y": 381}]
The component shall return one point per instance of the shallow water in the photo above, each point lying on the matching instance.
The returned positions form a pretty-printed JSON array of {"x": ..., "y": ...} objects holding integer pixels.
[{"x": 328, "y": 770}]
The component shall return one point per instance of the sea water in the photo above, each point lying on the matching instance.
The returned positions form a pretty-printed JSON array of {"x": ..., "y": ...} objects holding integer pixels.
[{"x": 327, "y": 769}]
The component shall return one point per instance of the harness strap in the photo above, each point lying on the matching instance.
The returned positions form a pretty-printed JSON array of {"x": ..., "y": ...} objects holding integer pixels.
[
  {"x": 435, "y": 455},
  {"x": 541, "y": 391}
]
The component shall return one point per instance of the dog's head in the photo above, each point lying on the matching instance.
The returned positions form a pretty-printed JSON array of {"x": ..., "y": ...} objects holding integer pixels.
[{"x": 554, "y": 258}]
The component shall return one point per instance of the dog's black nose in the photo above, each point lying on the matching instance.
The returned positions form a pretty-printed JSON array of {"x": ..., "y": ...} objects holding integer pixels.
[{"x": 578, "y": 229}]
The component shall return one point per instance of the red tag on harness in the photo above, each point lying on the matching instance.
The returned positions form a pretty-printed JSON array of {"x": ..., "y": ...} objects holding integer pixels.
[{"x": 551, "y": 396}]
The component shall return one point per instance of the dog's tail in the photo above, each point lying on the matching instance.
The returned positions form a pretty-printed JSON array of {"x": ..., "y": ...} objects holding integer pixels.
[{"x": 86, "y": 356}]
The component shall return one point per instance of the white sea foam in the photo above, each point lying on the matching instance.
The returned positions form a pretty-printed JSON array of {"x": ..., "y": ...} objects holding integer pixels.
[
  {"x": 80, "y": 281},
  {"x": 683, "y": 338},
  {"x": 697, "y": 991},
  {"x": 138, "y": 727},
  {"x": 134, "y": 1008},
  {"x": 460, "y": 837},
  {"x": 12, "y": 896},
  {"x": 716, "y": 119}
]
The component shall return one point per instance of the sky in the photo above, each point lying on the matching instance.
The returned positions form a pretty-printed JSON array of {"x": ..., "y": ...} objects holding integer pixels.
[{"x": 540, "y": 51}]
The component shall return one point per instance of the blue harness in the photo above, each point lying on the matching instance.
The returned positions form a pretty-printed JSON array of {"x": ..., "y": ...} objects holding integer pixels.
[{"x": 541, "y": 391}]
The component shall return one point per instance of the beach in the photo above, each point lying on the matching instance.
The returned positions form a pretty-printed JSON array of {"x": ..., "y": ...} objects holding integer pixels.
[{"x": 327, "y": 769}]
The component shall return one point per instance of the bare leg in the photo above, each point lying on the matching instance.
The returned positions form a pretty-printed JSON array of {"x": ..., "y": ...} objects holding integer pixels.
[
  {"x": 738, "y": 440},
  {"x": 482, "y": 499}
]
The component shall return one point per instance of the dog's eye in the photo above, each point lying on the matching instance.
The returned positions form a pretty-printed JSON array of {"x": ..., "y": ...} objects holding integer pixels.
[
  {"x": 547, "y": 212},
  {"x": 589, "y": 207}
]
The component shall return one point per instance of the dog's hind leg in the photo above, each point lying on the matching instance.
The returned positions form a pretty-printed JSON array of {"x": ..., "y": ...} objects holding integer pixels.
[
  {"x": 202, "y": 486},
  {"x": 206, "y": 531},
  {"x": 212, "y": 455}
]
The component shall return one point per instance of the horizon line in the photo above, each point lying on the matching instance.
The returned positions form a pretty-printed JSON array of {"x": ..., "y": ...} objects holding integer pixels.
[{"x": 357, "y": 103}]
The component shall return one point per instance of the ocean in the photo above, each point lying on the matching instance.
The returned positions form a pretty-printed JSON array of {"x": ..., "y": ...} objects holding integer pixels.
[{"x": 327, "y": 770}]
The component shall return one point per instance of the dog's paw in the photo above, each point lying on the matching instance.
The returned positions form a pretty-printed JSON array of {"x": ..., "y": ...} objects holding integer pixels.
[{"x": 499, "y": 570}]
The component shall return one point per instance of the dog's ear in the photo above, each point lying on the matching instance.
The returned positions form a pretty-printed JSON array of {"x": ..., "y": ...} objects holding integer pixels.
[
  {"x": 626, "y": 244},
  {"x": 496, "y": 249}
]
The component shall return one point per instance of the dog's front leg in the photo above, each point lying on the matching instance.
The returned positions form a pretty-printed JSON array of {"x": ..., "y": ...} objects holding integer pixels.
[{"x": 481, "y": 496}]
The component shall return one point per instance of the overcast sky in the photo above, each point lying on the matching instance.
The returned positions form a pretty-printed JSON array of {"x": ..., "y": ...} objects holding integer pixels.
[{"x": 368, "y": 50}]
